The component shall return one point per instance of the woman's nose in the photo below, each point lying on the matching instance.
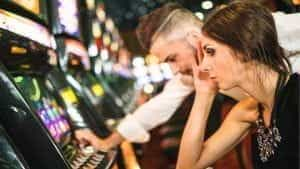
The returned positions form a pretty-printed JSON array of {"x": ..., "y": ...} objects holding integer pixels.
[{"x": 205, "y": 64}]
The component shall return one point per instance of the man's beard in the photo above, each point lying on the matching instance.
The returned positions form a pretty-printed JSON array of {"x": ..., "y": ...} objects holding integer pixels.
[{"x": 188, "y": 72}]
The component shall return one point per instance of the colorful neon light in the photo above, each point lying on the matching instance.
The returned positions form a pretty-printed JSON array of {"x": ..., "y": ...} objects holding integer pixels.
[
  {"x": 25, "y": 27},
  {"x": 68, "y": 16}
]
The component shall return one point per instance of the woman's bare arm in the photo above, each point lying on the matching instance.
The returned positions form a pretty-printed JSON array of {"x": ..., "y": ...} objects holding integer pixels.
[{"x": 195, "y": 153}]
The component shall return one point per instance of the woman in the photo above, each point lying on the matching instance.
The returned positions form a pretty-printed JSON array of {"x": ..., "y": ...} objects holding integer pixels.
[{"x": 240, "y": 49}]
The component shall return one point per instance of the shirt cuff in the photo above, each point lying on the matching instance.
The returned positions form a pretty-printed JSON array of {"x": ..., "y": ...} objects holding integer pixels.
[{"x": 132, "y": 130}]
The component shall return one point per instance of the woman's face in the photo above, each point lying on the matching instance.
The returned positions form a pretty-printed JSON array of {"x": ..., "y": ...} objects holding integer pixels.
[{"x": 222, "y": 63}]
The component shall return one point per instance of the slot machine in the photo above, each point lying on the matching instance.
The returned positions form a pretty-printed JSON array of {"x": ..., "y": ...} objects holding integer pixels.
[
  {"x": 64, "y": 86},
  {"x": 55, "y": 119},
  {"x": 19, "y": 36},
  {"x": 41, "y": 128},
  {"x": 104, "y": 35},
  {"x": 112, "y": 104},
  {"x": 74, "y": 60},
  {"x": 74, "y": 64},
  {"x": 10, "y": 158}
]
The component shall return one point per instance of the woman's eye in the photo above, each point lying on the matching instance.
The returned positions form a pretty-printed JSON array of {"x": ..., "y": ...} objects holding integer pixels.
[{"x": 210, "y": 51}]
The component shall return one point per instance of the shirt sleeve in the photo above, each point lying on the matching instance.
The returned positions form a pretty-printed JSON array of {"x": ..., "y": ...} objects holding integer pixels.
[
  {"x": 134, "y": 127},
  {"x": 288, "y": 29}
]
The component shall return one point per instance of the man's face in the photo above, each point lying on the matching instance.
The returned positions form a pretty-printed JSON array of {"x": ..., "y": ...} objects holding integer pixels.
[{"x": 178, "y": 53}]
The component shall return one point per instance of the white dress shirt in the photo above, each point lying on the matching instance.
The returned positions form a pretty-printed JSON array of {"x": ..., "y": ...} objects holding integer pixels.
[
  {"x": 288, "y": 28},
  {"x": 134, "y": 127}
]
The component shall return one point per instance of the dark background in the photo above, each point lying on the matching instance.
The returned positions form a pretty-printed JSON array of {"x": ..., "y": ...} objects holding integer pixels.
[{"x": 126, "y": 13}]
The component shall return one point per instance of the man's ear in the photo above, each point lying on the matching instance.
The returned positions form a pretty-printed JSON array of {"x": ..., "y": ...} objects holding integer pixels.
[{"x": 193, "y": 37}]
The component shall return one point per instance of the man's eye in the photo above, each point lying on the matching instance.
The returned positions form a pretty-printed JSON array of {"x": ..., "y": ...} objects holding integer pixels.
[{"x": 171, "y": 60}]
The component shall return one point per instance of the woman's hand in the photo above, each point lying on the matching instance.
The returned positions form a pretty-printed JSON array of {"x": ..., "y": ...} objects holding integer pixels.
[{"x": 202, "y": 83}]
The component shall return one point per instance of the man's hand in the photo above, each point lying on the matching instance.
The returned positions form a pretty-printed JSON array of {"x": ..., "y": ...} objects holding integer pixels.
[{"x": 87, "y": 137}]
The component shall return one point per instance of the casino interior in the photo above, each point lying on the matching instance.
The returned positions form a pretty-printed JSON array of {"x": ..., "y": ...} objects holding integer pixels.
[{"x": 76, "y": 65}]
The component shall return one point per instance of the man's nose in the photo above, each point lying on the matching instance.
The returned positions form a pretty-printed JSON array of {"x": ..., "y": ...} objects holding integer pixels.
[{"x": 174, "y": 68}]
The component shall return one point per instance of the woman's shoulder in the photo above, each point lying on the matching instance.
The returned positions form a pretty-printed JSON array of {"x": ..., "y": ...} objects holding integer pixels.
[
  {"x": 294, "y": 77},
  {"x": 292, "y": 85}
]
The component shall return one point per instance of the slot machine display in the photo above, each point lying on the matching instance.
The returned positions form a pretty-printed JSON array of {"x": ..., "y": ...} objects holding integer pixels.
[
  {"x": 107, "y": 64},
  {"x": 78, "y": 74},
  {"x": 65, "y": 87},
  {"x": 41, "y": 128},
  {"x": 98, "y": 49},
  {"x": 37, "y": 8},
  {"x": 22, "y": 37},
  {"x": 74, "y": 60},
  {"x": 55, "y": 120},
  {"x": 10, "y": 158}
]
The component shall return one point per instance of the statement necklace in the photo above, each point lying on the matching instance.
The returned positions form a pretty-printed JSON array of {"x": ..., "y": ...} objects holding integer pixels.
[{"x": 268, "y": 138}]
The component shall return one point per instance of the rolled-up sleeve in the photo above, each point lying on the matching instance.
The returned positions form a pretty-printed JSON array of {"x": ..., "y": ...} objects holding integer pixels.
[
  {"x": 134, "y": 127},
  {"x": 288, "y": 29}
]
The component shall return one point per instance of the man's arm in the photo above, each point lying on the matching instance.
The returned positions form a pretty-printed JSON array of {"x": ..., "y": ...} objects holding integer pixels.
[
  {"x": 134, "y": 127},
  {"x": 288, "y": 29}
]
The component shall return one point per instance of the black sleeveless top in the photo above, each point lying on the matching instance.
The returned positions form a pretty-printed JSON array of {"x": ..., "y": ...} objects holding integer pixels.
[{"x": 287, "y": 120}]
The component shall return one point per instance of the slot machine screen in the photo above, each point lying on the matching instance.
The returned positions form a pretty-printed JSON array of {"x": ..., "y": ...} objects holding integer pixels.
[
  {"x": 51, "y": 114},
  {"x": 36, "y": 7},
  {"x": 31, "y": 5},
  {"x": 68, "y": 16},
  {"x": 8, "y": 157}
]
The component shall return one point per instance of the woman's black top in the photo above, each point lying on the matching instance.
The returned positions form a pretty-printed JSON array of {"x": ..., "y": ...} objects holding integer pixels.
[{"x": 287, "y": 120}]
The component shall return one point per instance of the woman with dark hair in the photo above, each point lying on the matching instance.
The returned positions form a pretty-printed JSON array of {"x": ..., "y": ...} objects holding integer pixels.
[{"x": 240, "y": 49}]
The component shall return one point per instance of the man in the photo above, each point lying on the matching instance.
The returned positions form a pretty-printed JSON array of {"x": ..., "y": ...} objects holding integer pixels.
[{"x": 172, "y": 33}]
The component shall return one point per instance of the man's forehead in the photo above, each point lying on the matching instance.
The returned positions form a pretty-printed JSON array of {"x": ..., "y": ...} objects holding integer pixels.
[{"x": 160, "y": 49}]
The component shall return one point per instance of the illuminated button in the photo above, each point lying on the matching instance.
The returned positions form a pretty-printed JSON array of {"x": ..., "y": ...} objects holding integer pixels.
[
  {"x": 94, "y": 162},
  {"x": 75, "y": 165},
  {"x": 80, "y": 160},
  {"x": 91, "y": 166},
  {"x": 84, "y": 157},
  {"x": 98, "y": 158},
  {"x": 88, "y": 150},
  {"x": 18, "y": 50}
]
